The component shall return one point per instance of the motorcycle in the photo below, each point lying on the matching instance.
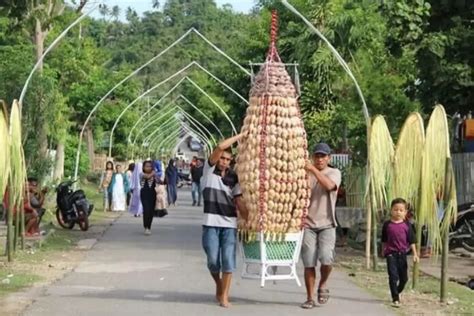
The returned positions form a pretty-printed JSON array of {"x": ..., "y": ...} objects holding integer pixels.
[
  {"x": 183, "y": 179},
  {"x": 462, "y": 231},
  {"x": 72, "y": 206}
]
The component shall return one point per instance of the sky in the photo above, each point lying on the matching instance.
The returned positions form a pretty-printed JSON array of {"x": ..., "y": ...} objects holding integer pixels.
[{"x": 144, "y": 5}]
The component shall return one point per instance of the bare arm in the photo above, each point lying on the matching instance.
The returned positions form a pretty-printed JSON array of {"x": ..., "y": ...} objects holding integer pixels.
[
  {"x": 415, "y": 254},
  {"x": 325, "y": 181},
  {"x": 216, "y": 154},
  {"x": 242, "y": 210}
]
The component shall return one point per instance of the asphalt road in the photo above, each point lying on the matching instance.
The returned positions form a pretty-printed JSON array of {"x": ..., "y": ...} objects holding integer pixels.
[{"x": 127, "y": 273}]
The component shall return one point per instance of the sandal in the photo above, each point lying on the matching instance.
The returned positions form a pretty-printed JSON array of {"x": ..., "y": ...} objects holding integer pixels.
[
  {"x": 308, "y": 304},
  {"x": 323, "y": 296}
]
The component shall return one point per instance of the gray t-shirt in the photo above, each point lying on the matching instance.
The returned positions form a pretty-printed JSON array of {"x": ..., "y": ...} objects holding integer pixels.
[{"x": 322, "y": 207}]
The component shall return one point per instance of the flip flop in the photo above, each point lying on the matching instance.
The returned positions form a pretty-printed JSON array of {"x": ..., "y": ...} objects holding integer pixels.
[
  {"x": 323, "y": 296},
  {"x": 308, "y": 304}
]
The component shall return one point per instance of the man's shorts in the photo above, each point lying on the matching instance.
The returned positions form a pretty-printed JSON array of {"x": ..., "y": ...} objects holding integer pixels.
[
  {"x": 220, "y": 243},
  {"x": 318, "y": 245}
]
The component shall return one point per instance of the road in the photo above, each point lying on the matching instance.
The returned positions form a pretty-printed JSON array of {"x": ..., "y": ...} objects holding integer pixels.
[{"x": 127, "y": 273}]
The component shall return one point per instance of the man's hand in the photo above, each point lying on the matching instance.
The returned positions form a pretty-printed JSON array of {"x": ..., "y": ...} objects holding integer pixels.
[{"x": 309, "y": 166}]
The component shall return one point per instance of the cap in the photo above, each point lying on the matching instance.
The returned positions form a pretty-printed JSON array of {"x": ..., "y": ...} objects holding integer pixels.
[{"x": 322, "y": 148}]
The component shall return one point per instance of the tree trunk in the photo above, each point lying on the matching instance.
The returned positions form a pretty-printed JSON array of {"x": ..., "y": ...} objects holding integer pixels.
[
  {"x": 59, "y": 166},
  {"x": 42, "y": 128},
  {"x": 39, "y": 43},
  {"x": 90, "y": 147}
]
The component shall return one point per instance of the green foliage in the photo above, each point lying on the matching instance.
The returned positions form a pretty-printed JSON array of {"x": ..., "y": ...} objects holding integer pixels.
[
  {"x": 70, "y": 158},
  {"x": 406, "y": 55}
]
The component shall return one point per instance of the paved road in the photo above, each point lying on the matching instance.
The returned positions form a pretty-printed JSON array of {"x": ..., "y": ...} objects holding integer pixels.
[{"x": 127, "y": 273}]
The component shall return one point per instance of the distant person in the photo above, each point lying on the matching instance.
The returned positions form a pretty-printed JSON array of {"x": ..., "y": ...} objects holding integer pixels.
[
  {"x": 37, "y": 197},
  {"x": 33, "y": 207},
  {"x": 222, "y": 205},
  {"x": 148, "y": 194},
  {"x": 397, "y": 239},
  {"x": 196, "y": 175},
  {"x": 158, "y": 167},
  {"x": 135, "y": 206},
  {"x": 118, "y": 190},
  {"x": 131, "y": 167},
  {"x": 105, "y": 180},
  {"x": 171, "y": 180}
]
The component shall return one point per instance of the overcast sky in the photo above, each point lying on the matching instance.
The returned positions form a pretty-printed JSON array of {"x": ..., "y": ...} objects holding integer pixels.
[{"x": 143, "y": 5}]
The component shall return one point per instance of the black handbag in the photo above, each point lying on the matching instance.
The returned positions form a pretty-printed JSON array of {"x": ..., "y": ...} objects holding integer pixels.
[{"x": 160, "y": 213}]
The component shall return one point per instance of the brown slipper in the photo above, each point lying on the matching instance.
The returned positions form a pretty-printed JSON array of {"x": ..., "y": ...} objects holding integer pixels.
[
  {"x": 308, "y": 304},
  {"x": 323, "y": 296}
]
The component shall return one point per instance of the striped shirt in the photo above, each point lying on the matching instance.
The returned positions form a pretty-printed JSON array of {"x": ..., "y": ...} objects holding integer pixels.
[{"x": 219, "y": 193}]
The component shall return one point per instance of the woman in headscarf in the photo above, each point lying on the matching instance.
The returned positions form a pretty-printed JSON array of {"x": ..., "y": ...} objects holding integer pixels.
[
  {"x": 148, "y": 194},
  {"x": 105, "y": 180},
  {"x": 118, "y": 189},
  {"x": 131, "y": 167},
  {"x": 171, "y": 179},
  {"x": 135, "y": 206}
]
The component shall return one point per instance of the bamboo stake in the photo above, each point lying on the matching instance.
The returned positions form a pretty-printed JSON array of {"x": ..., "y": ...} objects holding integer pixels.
[
  {"x": 374, "y": 233},
  {"x": 445, "y": 250},
  {"x": 10, "y": 228},
  {"x": 416, "y": 266},
  {"x": 368, "y": 233}
]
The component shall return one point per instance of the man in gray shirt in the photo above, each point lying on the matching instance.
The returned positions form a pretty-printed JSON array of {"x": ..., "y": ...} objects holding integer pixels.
[{"x": 320, "y": 228}]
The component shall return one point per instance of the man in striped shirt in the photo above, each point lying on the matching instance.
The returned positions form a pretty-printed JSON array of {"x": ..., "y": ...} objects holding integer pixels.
[{"x": 222, "y": 205}]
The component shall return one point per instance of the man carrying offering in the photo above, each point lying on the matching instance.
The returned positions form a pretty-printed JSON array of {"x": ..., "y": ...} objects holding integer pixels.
[
  {"x": 320, "y": 228},
  {"x": 222, "y": 205}
]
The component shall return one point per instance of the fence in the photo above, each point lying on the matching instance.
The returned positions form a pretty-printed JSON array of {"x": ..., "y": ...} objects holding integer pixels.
[
  {"x": 340, "y": 160},
  {"x": 463, "y": 166},
  {"x": 355, "y": 185}
]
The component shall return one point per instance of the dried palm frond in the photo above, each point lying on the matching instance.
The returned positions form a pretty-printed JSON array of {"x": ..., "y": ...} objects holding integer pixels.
[
  {"x": 5, "y": 149},
  {"x": 17, "y": 161},
  {"x": 408, "y": 160},
  {"x": 434, "y": 181},
  {"x": 381, "y": 151}
]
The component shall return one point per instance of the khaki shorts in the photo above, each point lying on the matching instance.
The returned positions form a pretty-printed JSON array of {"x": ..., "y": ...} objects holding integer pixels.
[{"x": 318, "y": 245}]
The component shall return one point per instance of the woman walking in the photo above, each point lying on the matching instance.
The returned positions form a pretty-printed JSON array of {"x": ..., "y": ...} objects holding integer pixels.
[
  {"x": 105, "y": 180},
  {"x": 171, "y": 179},
  {"x": 148, "y": 194},
  {"x": 131, "y": 167},
  {"x": 118, "y": 189},
  {"x": 135, "y": 206}
]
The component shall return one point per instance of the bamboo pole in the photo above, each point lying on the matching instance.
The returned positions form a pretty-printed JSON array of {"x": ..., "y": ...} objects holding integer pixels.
[
  {"x": 368, "y": 234},
  {"x": 17, "y": 228},
  {"x": 445, "y": 249},
  {"x": 374, "y": 231},
  {"x": 416, "y": 266},
  {"x": 22, "y": 228},
  {"x": 10, "y": 227}
]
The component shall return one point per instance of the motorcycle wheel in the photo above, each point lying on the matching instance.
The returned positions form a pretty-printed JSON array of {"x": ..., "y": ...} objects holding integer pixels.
[
  {"x": 83, "y": 221},
  {"x": 61, "y": 222},
  {"x": 468, "y": 227}
]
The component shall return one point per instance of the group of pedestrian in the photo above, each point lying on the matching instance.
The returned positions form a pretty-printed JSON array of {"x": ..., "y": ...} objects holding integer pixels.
[
  {"x": 223, "y": 205},
  {"x": 144, "y": 189},
  {"x": 115, "y": 186}
]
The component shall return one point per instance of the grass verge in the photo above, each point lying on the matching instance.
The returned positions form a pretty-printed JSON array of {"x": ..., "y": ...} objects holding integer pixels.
[
  {"x": 423, "y": 301},
  {"x": 48, "y": 258}
]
